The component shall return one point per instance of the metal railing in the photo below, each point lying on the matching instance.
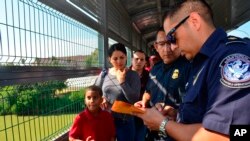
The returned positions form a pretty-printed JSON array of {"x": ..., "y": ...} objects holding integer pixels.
[
  {"x": 36, "y": 35},
  {"x": 46, "y": 60}
]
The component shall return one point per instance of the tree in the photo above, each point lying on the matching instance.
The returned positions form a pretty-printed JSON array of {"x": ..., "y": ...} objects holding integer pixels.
[
  {"x": 92, "y": 59},
  {"x": 29, "y": 99}
]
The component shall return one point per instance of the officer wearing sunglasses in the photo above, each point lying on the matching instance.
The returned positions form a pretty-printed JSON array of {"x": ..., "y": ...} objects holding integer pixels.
[{"x": 218, "y": 90}]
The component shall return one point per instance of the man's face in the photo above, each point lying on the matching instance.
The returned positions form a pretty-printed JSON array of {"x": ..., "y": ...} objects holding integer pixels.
[
  {"x": 183, "y": 39},
  {"x": 164, "y": 49},
  {"x": 138, "y": 61}
]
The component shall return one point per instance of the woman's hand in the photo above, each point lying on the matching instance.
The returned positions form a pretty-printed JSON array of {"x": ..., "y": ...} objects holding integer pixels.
[
  {"x": 104, "y": 104},
  {"x": 121, "y": 75}
]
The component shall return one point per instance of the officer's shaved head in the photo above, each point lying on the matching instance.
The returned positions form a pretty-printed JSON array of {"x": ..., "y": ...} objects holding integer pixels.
[{"x": 187, "y": 6}]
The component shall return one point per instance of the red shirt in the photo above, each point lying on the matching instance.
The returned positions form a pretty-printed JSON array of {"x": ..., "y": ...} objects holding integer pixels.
[{"x": 100, "y": 127}]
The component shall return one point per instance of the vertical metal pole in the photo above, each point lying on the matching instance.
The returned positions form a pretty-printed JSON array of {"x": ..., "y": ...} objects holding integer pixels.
[{"x": 104, "y": 30}]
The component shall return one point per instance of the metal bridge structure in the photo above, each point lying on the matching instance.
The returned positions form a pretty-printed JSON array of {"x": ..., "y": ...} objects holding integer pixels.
[{"x": 51, "y": 50}]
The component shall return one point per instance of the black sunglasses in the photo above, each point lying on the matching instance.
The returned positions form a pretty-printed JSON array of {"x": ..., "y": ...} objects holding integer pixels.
[{"x": 170, "y": 37}]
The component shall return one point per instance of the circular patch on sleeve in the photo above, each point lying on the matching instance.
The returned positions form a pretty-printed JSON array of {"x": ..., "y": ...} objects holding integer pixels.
[{"x": 235, "y": 71}]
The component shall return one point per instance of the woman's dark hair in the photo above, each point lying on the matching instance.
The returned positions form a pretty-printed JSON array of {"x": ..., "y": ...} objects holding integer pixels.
[{"x": 117, "y": 47}]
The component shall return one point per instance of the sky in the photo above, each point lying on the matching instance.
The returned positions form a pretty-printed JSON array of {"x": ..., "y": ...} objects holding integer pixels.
[{"x": 242, "y": 31}]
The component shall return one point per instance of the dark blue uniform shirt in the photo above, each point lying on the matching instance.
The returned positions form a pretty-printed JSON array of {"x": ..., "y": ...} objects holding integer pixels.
[
  {"x": 219, "y": 85},
  {"x": 167, "y": 82}
]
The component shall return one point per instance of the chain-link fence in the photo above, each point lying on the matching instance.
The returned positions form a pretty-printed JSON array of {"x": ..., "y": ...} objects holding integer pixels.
[{"x": 46, "y": 61}]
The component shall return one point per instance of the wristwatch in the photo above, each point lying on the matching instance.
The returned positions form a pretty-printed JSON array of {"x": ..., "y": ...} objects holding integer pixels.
[{"x": 162, "y": 127}]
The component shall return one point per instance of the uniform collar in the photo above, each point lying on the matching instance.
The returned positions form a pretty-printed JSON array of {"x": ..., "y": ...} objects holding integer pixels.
[
  {"x": 218, "y": 36},
  {"x": 167, "y": 66},
  {"x": 173, "y": 64}
]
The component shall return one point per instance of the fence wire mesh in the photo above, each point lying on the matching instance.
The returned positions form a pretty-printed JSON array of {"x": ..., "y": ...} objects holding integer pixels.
[{"x": 46, "y": 61}]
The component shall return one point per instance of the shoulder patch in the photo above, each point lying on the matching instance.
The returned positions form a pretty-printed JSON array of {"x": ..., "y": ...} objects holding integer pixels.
[{"x": 235, "y": 71}]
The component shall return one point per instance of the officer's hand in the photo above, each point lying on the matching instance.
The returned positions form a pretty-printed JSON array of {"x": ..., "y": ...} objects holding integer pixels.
[
  {"x": 144, "y": 102},
  {"x": 169, "y": 112},
  {"x": 159, "y": 106},
  {"x": 152, "y": 118}
]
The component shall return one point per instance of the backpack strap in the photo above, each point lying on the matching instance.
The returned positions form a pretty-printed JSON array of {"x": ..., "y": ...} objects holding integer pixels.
[{"x": 100, "y": 79}]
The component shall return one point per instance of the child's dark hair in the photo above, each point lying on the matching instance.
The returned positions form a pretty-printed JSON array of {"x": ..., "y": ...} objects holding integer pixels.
[{"x": 95, "y": 89}]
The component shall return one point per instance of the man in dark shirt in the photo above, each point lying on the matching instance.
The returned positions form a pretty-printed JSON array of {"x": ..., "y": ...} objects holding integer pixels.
[{"x": 138, "y": 65}]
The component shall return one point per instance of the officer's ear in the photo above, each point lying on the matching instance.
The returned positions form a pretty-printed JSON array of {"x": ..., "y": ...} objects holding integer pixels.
[{"x": 195, "y": 20}]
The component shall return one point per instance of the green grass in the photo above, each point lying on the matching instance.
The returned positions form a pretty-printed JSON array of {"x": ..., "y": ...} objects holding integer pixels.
[{"x": 33, "y": 128}]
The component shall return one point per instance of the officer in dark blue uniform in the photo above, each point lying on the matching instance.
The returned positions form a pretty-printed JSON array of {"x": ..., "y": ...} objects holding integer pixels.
[
  {"x": 167, "y": 82},
  {"x": 167, "y": 78},
  {"x": 218, "y": 90}
]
